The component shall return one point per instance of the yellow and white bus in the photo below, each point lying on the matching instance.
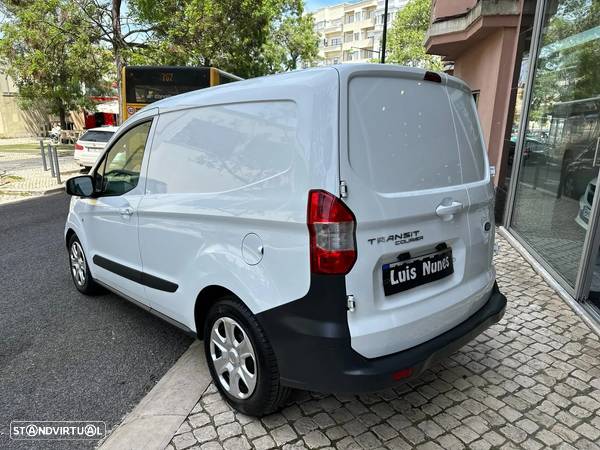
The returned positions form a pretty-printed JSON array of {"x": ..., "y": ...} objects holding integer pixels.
[{"x": 142, "y": 85}]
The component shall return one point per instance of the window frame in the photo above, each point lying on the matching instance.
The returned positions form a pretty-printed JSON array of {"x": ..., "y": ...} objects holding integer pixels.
[{"x": 101, "y": 164}]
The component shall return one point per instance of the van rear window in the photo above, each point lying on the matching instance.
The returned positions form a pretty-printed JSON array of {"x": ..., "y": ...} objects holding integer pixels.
[{"x": 408, "y": 135}]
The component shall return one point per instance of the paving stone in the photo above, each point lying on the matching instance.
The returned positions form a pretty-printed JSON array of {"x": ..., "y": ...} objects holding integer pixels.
[
  {"x": 229, "y": 430},
  {"x": 206, "y": 433},
  {"x": 264, "y": 443},
  {"x": 254, "y": 429},
  {"x": 184, "y": 440},
  {"x": 214, "y": 445},
  {"x": 283, "y": 434},
  {"x": 323, "y": 420},
  {"x": 384, "y": 432},
  {"x": 236, "y": 443},
  {"x": 198, "y": 420},
  {"x": 316, "y": 439},
  {"x": 223, "y": 418}
]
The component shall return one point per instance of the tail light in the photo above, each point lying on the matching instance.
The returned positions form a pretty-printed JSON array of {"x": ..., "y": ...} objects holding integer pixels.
[
  {"x": 332, "y": 227},
  {"x": 78, "y": 146}
]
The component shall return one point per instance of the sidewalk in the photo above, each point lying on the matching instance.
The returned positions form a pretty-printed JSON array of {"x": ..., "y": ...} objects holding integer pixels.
[
  {"x": 22, "y": 175},
  {"x": 532, "y": 381}
]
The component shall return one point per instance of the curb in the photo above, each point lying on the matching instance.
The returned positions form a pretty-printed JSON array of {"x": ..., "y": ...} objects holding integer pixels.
[{"x": 154, "y": 421}]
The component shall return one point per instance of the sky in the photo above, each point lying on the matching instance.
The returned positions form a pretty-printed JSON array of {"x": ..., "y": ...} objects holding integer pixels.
[{"x": 313, "y": 5}]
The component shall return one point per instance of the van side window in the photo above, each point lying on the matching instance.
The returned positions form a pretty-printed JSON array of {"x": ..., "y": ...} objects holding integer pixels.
[
  {"x": 221, "y": 148},
  {"x": 120, "y": 170}
]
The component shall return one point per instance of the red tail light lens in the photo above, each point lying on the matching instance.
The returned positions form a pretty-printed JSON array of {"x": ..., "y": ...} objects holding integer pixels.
[
  {"x": 332, "y": 228},
  {"x": 78, "y": 147}
]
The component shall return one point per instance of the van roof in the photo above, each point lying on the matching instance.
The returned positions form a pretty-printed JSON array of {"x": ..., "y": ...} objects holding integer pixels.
[{"x": 298, "y": 78}]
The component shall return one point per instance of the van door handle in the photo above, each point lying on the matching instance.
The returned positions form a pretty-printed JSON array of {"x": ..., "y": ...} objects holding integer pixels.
[
  {"x": 446, "y": 212},
  {"x": 126, "y": 211}
]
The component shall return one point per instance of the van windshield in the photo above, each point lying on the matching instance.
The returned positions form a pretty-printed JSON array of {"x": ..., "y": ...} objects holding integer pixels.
[{"x": 409, "y": 135}]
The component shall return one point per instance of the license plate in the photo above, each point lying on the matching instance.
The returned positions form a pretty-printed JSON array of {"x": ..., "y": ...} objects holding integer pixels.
[{"x": 403, "y": 275}]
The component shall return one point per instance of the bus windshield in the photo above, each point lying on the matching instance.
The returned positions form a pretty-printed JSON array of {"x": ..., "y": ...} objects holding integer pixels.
[{"x": 142, "y": 85}]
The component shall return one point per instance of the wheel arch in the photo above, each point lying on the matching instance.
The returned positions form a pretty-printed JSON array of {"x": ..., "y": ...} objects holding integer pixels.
[
  {"x": 69, "y": 234},
  {"x": 207, "y": 297}
]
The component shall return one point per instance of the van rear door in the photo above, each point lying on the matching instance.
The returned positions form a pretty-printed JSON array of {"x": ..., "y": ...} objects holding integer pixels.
[{"x": 417, "y": 176}]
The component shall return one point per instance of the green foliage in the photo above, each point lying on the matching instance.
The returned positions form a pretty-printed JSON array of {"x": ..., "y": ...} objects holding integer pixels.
[
  {"x": 292, "y": 40},
  {"x": 248, "y": 38},
  {"x": 52, "y": 55},
  {"x": 407, "y": 37}
]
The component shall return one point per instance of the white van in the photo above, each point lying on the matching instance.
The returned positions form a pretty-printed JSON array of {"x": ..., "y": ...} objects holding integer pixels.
[{"x": 327, "y": 229}]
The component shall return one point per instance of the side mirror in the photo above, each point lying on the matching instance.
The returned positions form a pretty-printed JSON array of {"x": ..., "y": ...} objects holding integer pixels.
[{"x": 80, "y": 186}]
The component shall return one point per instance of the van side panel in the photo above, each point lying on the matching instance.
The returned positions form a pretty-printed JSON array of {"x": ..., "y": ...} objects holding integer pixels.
[{"x": 228, "y": 178}]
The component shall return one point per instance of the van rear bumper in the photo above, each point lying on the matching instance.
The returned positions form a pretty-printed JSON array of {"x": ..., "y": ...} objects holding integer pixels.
[{"x": 311, "y": 340}]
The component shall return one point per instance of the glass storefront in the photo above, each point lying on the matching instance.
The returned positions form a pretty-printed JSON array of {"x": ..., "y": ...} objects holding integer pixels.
[{"x": 558, "y": 170}]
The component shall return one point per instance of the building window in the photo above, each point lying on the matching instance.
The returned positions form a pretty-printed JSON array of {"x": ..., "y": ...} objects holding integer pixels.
[{"x": 356, "y": 36}]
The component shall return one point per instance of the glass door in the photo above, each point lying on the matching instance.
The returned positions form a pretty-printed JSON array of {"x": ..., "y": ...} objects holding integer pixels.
[{"x": 557, "y": 175}]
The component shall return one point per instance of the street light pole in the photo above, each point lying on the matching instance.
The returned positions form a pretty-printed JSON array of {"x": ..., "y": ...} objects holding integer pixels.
[{"x": 383, "y": 39}]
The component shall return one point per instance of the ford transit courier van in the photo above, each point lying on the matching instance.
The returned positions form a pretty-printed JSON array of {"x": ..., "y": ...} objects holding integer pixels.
[{"x": 328, "y": 229}]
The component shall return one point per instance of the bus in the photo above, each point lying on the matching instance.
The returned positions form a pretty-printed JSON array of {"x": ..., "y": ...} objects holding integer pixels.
[{"x": 142, "y": 85}]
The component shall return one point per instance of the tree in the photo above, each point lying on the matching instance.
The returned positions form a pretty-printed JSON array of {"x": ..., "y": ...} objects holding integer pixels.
[
  {"x": 292, "y": 40},
  {"x": 123, "y": 34},
  {"x": 239, "y": 37},
  {"x": 407, "y": 37},
  {"x": 52, "y": 54}
]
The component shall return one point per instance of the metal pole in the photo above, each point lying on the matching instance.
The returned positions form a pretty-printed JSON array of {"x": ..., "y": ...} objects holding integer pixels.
[
  {"x": 383, "y": 38},
  {"x": 56, "y": 166},
  {"x": 43, "y": 155},
  {"x": 51, "y": 160}
]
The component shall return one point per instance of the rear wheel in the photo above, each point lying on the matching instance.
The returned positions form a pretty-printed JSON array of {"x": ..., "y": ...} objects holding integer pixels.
[
  {"x": 241, "y": 360},
  {"x": 80, "y": 271}
]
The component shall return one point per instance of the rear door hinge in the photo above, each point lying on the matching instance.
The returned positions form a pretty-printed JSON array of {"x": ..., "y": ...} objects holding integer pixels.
[
  {"x": 351, "y": 304},
  {"x": 343, "y": 189}
]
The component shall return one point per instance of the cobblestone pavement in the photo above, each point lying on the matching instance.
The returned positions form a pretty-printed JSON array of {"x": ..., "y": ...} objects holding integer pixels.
[
  {"x": 532, "y": 381},
  {"x": 22, "y": 175}
]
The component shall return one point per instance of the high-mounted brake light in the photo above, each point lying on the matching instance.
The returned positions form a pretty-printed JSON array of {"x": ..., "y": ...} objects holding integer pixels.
[
  {"x": 78, "y": 147},
  {"x": 332, "y": 228},
  {"x": 432, "y": 76}
]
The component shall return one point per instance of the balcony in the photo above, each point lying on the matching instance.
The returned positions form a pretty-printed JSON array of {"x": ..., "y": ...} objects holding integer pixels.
[
  {"x": 455, "y": 24},
  {"x": 331, "y": 47},
  {"x": 332, "y": 27}
]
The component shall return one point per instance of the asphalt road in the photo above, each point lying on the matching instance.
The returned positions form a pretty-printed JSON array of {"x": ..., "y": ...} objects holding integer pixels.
[{"x": 65, "y": 356}]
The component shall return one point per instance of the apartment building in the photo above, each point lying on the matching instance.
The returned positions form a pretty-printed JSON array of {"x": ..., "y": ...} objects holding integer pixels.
[{"x": 351, "y": 32}]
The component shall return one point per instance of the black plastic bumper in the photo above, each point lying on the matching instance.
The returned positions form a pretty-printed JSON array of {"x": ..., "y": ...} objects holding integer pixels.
[{"x": 311, "y": 340}]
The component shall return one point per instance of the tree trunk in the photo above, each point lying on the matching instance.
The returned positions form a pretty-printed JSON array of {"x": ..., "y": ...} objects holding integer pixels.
[
  {"x": 117, "y": 44},
  {"x": 62, "y": 114}
]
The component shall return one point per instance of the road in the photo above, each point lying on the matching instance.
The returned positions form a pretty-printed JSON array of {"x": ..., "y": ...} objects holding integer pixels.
[{"x": 64, "y": 356}]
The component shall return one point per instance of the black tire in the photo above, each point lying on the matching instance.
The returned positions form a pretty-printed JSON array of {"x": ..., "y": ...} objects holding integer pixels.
[
  {"x": 268, "y": 394},
  {"x": 88, "y": 286}
]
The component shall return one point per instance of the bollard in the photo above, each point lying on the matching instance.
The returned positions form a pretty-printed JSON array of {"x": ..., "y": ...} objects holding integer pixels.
[
  {"x": 51, "y": 160},
  {"x": 56, "y": 166},
  {"x": 43, "y": 155}
]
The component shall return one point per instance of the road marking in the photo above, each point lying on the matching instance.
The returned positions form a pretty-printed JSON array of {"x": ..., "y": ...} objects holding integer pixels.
[{"x": 154, "y": 421}]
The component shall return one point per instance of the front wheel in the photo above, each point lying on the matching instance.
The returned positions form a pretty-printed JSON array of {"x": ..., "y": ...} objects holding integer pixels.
[
  {"x": 80, "y": 271},
  {"x": 241, "y": 360}
]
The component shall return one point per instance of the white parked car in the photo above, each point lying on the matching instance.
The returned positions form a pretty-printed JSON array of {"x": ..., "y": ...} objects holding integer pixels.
[
  {"x": 91, "y": 143},
  {"x": 327, "y": 229}
]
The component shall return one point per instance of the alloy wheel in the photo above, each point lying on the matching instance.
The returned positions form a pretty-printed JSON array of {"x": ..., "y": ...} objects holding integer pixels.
[
  {"x": 233, "y": 358},
  {"x": 78, "y": 268}
]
